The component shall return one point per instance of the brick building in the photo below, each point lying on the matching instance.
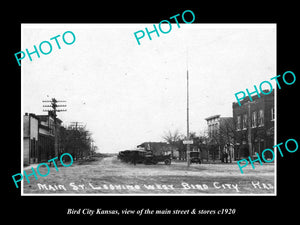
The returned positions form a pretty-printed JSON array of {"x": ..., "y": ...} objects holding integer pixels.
[{"x": 254, "y": 123}]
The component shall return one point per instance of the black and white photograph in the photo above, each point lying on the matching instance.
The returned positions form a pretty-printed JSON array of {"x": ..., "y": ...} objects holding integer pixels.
[
  {"x": 145, "y": 111},
  {"x": 106, "y": 111}
]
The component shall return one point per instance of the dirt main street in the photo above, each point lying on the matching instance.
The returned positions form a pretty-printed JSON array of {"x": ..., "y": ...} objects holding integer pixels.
[{"x": 111, "y": 176}]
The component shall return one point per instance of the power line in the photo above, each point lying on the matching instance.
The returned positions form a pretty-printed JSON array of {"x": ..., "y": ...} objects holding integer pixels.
[{"x": 53, "y": 112}]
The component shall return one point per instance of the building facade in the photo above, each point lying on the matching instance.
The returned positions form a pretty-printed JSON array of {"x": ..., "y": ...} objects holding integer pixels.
[
  {"x": 254, "y": 122},
  {"x": 39, "y": 138},
  {"x": 49, "y": 132},
  {"x": 46, "y": 137},
  {"x": 30, "y": 138},
  {"x": 220, "y": 137}
]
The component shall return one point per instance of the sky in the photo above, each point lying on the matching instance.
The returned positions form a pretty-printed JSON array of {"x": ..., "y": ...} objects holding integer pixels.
[{"x": 127, "y": 93}]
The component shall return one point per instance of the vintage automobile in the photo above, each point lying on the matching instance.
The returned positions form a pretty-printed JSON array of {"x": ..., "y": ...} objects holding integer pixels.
[
  {"x": 143, "y": 156},
  {"x": 195, "y": 157},
  {"x": 150, "y": 158}
]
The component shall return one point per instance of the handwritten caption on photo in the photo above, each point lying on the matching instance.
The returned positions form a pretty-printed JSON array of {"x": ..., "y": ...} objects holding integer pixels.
[{"x": 138, "y": 188}]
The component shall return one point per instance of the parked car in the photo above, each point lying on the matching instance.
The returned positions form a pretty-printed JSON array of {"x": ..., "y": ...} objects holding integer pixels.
[
  {"x": 195, "y": 157},
  {"x": 154, "y": 159}
]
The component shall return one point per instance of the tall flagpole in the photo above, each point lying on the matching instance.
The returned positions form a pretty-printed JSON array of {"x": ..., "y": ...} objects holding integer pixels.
[{"x": 187, "y": 112}]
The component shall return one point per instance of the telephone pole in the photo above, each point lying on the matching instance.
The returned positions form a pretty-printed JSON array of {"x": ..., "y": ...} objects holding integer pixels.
[
  {"x": 54, "y": 111},
  {"x": 249, "y": 127}
]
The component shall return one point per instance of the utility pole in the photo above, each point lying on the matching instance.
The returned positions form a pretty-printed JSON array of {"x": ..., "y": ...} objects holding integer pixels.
[
  {"x": 249, "y": 127},
  {"x": 54, "y": 111}
]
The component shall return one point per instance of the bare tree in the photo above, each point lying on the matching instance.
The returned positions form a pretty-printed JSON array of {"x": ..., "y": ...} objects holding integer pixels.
[
  {"x": 175, "y": 139},
  {"x": 172, "y": 137},
  {"x": 76, "y": 141}
]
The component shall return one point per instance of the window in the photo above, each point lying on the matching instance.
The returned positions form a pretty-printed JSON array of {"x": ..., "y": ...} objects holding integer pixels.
[
  {"x": 214, "y": 129},
  {"x": 272, "y": 114},
  {"x": 245, "y": 119},
  {"x": 261, "y": 118},
  {"x": 254, "y": 119},
  {"x": 238, "y": 127},
  {"x": 209, "y": 130},
  {"x": 217, "y": 128}
]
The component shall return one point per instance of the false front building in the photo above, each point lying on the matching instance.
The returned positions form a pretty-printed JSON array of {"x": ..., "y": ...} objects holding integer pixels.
[{"x": 220, "y": 137}]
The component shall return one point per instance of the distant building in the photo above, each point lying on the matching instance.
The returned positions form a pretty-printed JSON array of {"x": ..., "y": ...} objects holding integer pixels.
[
  {"x": 254, "y": 122},
  {"x": 219, "y": 136}
]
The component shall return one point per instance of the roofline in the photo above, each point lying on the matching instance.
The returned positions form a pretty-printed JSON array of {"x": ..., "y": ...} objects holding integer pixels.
[
  {"x": 208, "y": 118},
  {"x": 254, "y": 97}
]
